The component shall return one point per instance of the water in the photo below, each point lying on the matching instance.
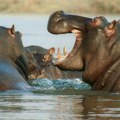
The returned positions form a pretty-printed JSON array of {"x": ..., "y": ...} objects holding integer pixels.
[
  {"x": 54, "y": 99},
  {"x": 59, "y": 105}
]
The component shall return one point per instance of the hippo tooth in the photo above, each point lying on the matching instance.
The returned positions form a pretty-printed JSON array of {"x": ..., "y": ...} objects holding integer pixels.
[
  {"x": 64, "y": 51},
  {"x": 58, "y": 53}
]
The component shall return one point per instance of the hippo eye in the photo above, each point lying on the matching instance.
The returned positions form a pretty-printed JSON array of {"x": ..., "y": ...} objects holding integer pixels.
[{"x": 20, "y": 34}]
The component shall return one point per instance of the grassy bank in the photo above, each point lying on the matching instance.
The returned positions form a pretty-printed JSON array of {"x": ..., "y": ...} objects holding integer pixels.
[{"x": 49, "y": 6}]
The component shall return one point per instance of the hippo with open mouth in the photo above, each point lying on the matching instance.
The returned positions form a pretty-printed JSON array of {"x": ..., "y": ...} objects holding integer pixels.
[{"x": 96, "y": 51}]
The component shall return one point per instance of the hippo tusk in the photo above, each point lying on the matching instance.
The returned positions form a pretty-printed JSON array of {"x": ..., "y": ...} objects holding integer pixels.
[
  {"x": 59, "y": 54},
  {"x": 64, "y": 51}
]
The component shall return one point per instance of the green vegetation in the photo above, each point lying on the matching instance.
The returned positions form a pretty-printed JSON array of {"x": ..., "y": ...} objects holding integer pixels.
[{"x": 49, "y": 6}]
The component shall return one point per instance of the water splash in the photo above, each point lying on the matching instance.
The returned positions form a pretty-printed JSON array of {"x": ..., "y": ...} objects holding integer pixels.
[{"x": 61, "y": 84}]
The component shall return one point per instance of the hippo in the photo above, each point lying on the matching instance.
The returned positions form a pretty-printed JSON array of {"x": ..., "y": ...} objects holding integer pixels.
[
  {"x": 41, "y": 65},
  {"x": 32, "y": 64},
  {"x": 13, "y": 61},
  {"x": 39, "y": 62},
  {"x": 96, "y": 51}
]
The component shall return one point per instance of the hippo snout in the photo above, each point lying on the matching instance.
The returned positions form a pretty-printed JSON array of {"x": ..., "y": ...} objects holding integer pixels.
[{"x": 60, "y": 23}]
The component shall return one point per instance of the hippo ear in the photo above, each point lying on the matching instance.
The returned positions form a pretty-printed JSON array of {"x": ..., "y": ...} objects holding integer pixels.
[
  {"x": 12, "y": 31},
  {"x": 51, "y": 50},
  {"x": 112, "y": 25},
  {"x": 110, "y": 29}
]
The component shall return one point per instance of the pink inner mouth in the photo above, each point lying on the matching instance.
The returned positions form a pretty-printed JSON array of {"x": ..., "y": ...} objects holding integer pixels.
[
  {"x": 77, "y": 33},
  {"x": 63, "y": 58}
]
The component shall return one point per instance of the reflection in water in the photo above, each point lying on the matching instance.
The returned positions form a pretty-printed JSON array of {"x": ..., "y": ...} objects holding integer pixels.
[
  {"x": 35, "y": 106},
  {"x": 102, "y": 107}
]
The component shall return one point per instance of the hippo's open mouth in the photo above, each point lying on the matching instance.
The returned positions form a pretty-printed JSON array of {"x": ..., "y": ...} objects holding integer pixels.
[
  {"x": 61, "y": 23},
  {"x": 70, "y": 59}
]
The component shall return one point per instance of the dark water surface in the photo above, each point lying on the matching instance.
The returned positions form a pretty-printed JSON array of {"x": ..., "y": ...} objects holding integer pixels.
[
  {"x": 54, "y": 99},
  {"x": 59, "y": 100},
  {"x": 59, "y": 105}
]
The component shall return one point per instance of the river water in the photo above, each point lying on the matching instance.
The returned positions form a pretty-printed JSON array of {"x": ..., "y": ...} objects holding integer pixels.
[{"x": 54, "y": 99}]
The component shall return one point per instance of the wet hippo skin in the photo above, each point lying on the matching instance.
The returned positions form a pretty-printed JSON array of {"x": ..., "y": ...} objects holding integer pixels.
[
  {"x": 96, "y": 50},
  {"x": 13, "y": 62}
]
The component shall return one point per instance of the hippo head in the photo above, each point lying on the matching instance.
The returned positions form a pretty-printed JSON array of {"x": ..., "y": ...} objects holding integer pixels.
[
  {"x": 42, "y": 61},
  {"x": 60, "y": 23},
  {"x": 96, "y": 49},
  {"x": 11, "y": 48}
]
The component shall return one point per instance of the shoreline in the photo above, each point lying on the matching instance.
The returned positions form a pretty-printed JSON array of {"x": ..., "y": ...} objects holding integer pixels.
[{"x": 48, "y": 6}]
